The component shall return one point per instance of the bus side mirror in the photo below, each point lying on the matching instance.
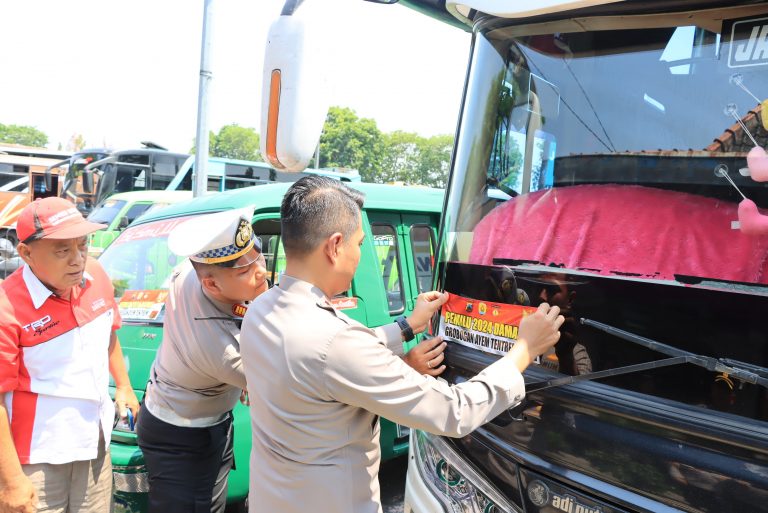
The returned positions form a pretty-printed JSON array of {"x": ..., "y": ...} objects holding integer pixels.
[
  {"x": 88, "y": 181},
  {"x": 123, "y": 224},
  {"x": 294, "y": 100}
]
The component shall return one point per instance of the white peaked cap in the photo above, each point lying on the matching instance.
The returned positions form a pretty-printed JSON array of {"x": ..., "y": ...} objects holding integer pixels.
[{"x": 215, "y": 238}]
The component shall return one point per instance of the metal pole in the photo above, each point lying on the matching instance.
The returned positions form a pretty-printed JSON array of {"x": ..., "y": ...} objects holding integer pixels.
[{"x": 202, "y": 143}]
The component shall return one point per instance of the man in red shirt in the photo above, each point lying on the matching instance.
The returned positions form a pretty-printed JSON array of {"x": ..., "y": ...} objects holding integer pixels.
[{"x": 57, "y": 348}]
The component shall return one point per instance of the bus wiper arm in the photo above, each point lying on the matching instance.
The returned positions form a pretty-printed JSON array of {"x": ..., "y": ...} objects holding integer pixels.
[{"x": 739, "y": 370}]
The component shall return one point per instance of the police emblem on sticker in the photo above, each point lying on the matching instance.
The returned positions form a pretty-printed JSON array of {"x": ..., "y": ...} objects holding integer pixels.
[
  {"x": 749, "y": 43},
  {"x": 243, "y": 234}
]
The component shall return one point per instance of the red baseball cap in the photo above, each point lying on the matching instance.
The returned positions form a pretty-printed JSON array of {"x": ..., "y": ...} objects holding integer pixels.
[{"x": 53, "y": 218}]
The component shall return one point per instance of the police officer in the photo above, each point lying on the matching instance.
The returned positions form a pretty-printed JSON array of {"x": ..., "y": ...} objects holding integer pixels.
[
  {"x": 185, "y": 432},
  {"x": 322, "y": 378}
]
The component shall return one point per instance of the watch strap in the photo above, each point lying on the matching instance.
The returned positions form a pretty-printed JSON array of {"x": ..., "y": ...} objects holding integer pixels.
[{"x": 405, "y": 328}]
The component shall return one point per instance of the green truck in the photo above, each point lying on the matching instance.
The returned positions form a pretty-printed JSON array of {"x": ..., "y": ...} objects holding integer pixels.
[
  {"x": 396, "y": 265},
  {"x": 121, "y": 209}
]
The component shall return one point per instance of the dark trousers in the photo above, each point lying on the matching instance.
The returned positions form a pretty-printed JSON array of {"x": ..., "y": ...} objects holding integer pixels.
[{"x": 187, "y": 466}]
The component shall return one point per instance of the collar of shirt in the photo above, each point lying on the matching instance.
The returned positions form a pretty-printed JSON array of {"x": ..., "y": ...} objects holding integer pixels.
[
  {"x": 294, "y": 285},
  {"x": 37, "y": 290}
]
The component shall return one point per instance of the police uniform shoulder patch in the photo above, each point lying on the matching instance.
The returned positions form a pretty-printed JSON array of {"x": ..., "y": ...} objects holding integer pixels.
[{"x": 244, "y": 234}]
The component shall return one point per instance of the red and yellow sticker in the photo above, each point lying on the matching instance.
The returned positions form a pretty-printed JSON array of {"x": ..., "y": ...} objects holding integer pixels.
[
  {"x": 484, "y": 325},
  {"x": 142, "y": 304}
]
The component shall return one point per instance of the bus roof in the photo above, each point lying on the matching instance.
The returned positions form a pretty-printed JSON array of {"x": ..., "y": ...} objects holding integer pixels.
[
  {"x": 154, "y": 196},
  {"x": 267, "y": 198}
]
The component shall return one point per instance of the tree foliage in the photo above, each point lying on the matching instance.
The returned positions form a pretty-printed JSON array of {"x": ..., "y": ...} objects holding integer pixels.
[
  {"x": 234, "y": 142},
  {"x": 76, "y": 142},
  {"x": 350, "y": 141},
  {"x": 20, "y": 134}
]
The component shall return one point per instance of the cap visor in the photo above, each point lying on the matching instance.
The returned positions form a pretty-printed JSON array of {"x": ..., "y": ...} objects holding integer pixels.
[{"x": 74, "y": 231}]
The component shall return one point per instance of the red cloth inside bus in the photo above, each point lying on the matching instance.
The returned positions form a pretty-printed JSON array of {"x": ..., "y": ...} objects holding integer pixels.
[{"x": 612, "y": 229}]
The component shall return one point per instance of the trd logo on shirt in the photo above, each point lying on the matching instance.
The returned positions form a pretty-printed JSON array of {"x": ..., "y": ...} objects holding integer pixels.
[
  {"x": 99, "y": 303},
  {"x": 749, "y": 43},
  {"x": 41, "y": 325}
]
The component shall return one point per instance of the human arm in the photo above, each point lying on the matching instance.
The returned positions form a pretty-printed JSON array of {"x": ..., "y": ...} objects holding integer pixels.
[
  {"x": 125, "y": 398},
  {"x": 427, "y": 356},
  {"x": 17, "y": 494},
  {"x": 361, "y": 372}
]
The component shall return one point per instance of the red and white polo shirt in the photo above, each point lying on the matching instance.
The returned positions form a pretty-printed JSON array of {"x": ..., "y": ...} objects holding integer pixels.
[{"x": 54, "y": 365}]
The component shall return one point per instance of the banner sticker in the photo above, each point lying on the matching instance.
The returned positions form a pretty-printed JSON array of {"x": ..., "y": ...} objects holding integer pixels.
[
  {"x": 142, "y": 304},
  {"x": 483, "y": 325}
]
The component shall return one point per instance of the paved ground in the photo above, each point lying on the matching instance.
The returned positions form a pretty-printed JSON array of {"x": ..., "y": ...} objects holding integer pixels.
[{"x": 392, "y": 481}]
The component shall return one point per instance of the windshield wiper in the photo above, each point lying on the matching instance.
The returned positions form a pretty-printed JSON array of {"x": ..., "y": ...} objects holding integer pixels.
[{"x": 745, "y": 372}]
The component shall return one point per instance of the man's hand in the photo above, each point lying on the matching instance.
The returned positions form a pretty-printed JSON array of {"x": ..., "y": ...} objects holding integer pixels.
[
  {"x": 538, "y": 333},
  {"x": 427, "y": 357},
  {"x": 426, "y": 305},
  {"x": 125, "y": 399},
  {"x": 19, "y": 497}
]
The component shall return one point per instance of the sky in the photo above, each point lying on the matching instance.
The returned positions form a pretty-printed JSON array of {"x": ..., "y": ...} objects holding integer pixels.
[{"x": 120, "y": 72}]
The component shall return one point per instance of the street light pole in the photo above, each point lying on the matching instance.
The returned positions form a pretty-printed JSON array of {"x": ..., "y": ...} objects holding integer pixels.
[{"x": 206, "y": 75}]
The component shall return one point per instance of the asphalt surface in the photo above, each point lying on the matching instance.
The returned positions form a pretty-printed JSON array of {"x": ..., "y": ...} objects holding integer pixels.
[{"x": 392, "y": 482}]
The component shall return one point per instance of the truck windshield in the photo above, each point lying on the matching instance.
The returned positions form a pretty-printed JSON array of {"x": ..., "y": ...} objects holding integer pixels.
[
  {"x": 597, "y": 169},
  {"x": 140, "y": 266},
  {"x": 106, "y": 212}
]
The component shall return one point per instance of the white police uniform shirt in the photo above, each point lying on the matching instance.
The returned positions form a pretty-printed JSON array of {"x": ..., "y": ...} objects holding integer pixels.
[
  {"x": 197, "y": 375},
  {"x": 317, "y": 381}
]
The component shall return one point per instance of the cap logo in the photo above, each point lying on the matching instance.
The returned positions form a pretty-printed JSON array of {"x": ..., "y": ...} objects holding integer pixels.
[
  {"x": 62, "y": 216},
  {"x": 243, "y": 234}
]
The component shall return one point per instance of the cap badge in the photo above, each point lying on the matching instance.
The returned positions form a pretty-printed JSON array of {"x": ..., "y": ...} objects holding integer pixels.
[{"x": 243, "y": 234}]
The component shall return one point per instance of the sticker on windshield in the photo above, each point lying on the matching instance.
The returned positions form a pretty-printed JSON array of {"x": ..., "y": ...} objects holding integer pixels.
[
  {"x": 145, "y": 305},
  {"x": 748, "y": 43},
  {"x": 484, "y": 325}
]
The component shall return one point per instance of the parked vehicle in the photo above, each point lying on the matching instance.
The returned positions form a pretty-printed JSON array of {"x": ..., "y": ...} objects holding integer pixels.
[
  {"x": 156, "y": 169},
  {"x": 396, "y": 265},
  {"x": 601, "y": 164},
  {"x": 121, "y": 209}
]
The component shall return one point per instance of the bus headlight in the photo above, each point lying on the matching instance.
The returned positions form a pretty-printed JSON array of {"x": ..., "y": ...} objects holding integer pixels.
[{"x": 452, "y": 480}]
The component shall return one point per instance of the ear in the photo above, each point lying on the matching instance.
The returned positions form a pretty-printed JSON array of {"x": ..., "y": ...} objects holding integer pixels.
[
  {"x": 209, "y": 283},
  {"x": 24, "y": 251},
  {"x": 332, "y": 246}
]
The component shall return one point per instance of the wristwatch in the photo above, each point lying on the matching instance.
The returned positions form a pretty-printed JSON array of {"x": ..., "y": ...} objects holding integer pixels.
[{"x": 405, "y": 328}]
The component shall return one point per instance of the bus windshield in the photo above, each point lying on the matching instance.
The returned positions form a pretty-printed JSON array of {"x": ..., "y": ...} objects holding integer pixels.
[{"x": 613, "y": 152}]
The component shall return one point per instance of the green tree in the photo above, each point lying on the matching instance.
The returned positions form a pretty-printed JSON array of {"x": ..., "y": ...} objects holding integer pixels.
[
  {"x": 19, "y": 134},
  {"x": 350, "y": 141},
  {"x": 417, "y": 160},
  {"x": 234, "y": 142},
  {"x": 76, "y": 142}
]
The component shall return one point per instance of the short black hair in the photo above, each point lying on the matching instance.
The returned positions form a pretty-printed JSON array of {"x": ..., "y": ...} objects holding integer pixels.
[{"x": 314, "y": 208}]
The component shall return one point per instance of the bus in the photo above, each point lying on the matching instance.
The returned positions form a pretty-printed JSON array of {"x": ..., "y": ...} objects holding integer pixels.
[
  {"x": 22, "y": 180},
  {"x": 155, "y": 169},
  {"x": 609, "y": 159}
]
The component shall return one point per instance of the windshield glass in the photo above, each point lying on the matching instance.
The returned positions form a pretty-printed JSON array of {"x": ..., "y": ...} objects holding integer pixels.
[
  {"x": 593, "y": 171},
  {"x": 106, "y": 212},
  {"x": 140, "y": 266}
]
